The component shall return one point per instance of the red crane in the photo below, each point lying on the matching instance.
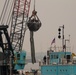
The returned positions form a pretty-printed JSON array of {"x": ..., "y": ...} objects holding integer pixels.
[
  {"x": 18, "y": 18},
  {"x": 15, "y": 14},
  {"x": 18, "y": 25}
]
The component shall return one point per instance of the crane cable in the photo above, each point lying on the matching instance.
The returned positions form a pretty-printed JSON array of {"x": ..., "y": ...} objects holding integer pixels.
[
  {"x": 10, "y": 14},
  {"x": 3, "y": 17},
  {"x": 34, "y": 4},
  {"x": 4, "y": 10}
]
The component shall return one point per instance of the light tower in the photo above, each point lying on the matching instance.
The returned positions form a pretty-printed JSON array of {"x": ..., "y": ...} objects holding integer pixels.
[{"x": 59, "y": 36}]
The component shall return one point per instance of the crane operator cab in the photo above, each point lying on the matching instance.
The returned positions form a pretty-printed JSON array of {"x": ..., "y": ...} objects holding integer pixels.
[
  {"x": 19, "y": 60},
  {"x": 34, "y": 23}
]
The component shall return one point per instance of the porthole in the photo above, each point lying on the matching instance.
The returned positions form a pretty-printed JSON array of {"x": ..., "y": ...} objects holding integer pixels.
[
  {"x": 66, "y": 70},
  {"x": 47, "y": 70},
  {"x": 60, "y": 70},
  {"x": 50, "y": 70}
]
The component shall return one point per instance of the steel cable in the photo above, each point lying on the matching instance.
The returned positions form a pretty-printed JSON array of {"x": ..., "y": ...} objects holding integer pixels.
[
  {"x": 4, "y": 11},
  {"x": 10, "y": 14}
]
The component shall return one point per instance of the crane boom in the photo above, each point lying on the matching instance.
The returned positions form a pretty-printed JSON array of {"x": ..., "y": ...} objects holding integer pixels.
[{"x": 18, "y": 25}]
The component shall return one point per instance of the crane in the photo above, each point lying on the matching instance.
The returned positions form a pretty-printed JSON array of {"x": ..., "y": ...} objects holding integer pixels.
[{"x": 18, "y": 21}]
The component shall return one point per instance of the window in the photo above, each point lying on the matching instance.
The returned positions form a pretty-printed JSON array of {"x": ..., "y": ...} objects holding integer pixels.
[
  {"x": 18, "y": 56},
  {"x": 54, "y": 56},
  {"x": 51, "y": 56}
]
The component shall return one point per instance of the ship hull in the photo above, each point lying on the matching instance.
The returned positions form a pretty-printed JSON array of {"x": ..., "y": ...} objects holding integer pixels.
[{"x": 67, "y": 69}]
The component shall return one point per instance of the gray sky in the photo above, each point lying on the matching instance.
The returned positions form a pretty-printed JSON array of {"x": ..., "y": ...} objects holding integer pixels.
[{"x": 52, "y": 13}]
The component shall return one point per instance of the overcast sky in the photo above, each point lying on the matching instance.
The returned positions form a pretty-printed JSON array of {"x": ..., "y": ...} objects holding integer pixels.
[{"x": 52, "y": 13}]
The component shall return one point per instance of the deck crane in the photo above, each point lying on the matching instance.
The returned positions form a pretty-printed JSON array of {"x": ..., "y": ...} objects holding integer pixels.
[
  {"x": 17, "y": 11},
  {"x": 18, "y": 18},
  {"x": 18, "y": 27}
]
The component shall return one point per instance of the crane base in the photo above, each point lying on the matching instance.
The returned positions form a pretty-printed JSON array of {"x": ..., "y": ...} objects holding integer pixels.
[{"x": 4, "y": 70}]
